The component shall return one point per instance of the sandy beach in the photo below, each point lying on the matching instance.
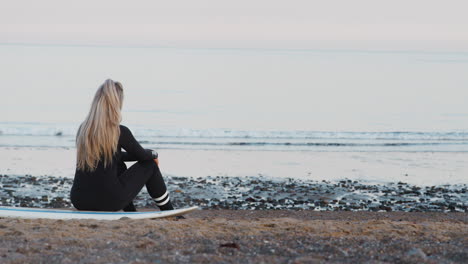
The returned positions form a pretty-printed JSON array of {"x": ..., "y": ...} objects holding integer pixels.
[{"x": 242, "y": 236}]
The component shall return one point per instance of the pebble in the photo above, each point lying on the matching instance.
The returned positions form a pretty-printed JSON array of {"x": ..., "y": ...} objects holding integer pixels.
[
  {"x": 416, "y": 252},
  {"x": 257, "y": 193}
]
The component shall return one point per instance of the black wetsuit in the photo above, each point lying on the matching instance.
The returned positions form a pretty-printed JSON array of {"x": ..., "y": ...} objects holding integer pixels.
[{"x": 114, "y": 187}]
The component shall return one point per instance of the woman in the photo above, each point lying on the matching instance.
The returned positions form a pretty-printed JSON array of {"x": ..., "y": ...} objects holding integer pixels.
[{"x": 102, "y": 181}]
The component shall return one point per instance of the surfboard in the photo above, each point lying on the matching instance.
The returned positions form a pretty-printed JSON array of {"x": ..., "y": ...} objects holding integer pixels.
[{"x": 36, "y": 213}]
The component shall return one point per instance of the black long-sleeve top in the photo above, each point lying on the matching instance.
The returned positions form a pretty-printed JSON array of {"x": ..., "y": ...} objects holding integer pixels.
[{"x": 102, "y": 186}]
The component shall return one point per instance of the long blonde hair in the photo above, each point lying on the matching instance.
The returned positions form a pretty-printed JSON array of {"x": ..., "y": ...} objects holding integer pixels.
[{"x": 98, "y": 135}]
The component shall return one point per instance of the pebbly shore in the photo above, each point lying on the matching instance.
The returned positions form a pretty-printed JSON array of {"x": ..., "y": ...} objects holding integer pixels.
[{"x": 255, "y": 193}]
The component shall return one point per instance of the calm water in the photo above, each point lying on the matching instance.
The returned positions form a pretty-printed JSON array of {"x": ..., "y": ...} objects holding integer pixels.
[{"x": 230, "y": 99}]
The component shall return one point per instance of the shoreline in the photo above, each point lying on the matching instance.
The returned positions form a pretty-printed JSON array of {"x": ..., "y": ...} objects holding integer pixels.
[
  {"x": 255, "y": 193},
  {"x": 241, "y": 236},
  {"x": 416, "y": 168}
]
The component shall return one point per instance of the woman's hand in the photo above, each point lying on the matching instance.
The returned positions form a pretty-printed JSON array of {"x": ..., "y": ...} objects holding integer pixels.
[{"x": 155, "y": 156}]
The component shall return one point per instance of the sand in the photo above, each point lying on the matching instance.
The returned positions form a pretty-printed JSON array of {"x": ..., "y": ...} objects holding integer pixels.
[{"x": 242, "y": 236}]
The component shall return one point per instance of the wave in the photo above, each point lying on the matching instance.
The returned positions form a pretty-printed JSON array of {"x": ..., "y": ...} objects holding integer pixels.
[
  {"x": 36, "y": 129},
  {"x": 63, "y": 135},
  {"x": 318, "y": 144}
]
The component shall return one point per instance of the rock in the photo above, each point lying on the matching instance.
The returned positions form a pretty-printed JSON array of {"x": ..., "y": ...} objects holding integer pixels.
[
  {"x": 416, "y": 252},
  {"x": 250, "y": 199},
  {"x": 386, "y": 208},
  {"x": 230, "y": 245}
]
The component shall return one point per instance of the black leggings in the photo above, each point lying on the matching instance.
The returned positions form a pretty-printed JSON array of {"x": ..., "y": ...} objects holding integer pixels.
[{"x": 144, "y": 173}]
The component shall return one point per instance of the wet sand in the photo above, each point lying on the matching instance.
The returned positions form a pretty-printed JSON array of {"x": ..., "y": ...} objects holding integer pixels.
[
  {"x": 415, "y": 168},
  {"x": 242, "y": 236}
]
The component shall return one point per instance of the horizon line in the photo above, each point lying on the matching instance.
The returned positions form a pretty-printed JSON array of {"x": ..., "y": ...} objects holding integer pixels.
[{"x": 317, "y": 50}]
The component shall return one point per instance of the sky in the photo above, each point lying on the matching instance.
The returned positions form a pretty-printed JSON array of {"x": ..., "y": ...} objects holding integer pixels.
[{"x": 428, "y": 25}]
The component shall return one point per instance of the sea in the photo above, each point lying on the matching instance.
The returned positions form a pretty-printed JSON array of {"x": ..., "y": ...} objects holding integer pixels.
[{"x": 255, "y": 101}]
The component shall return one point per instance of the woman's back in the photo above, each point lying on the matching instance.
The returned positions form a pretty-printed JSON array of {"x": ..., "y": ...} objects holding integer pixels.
[
  {"x": 103, "y": 183},
  {"x": 102, "y": 180}
]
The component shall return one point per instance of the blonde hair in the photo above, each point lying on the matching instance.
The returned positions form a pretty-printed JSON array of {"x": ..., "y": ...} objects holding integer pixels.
[{"x": 98, "y": 135}]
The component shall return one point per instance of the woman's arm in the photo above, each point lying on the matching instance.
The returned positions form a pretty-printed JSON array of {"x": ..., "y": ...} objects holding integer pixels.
[
  {"x": 128, "y": 157},
  {"x": 135, "y": 152}
]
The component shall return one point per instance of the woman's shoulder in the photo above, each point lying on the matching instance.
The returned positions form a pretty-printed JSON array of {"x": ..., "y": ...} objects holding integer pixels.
[
  {"x": 124, "y": 129},
  {"x": 125, "y": 134}
]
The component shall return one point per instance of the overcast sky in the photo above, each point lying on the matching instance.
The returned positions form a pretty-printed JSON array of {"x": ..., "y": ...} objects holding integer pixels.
[{"x": 430, "y": 25}]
